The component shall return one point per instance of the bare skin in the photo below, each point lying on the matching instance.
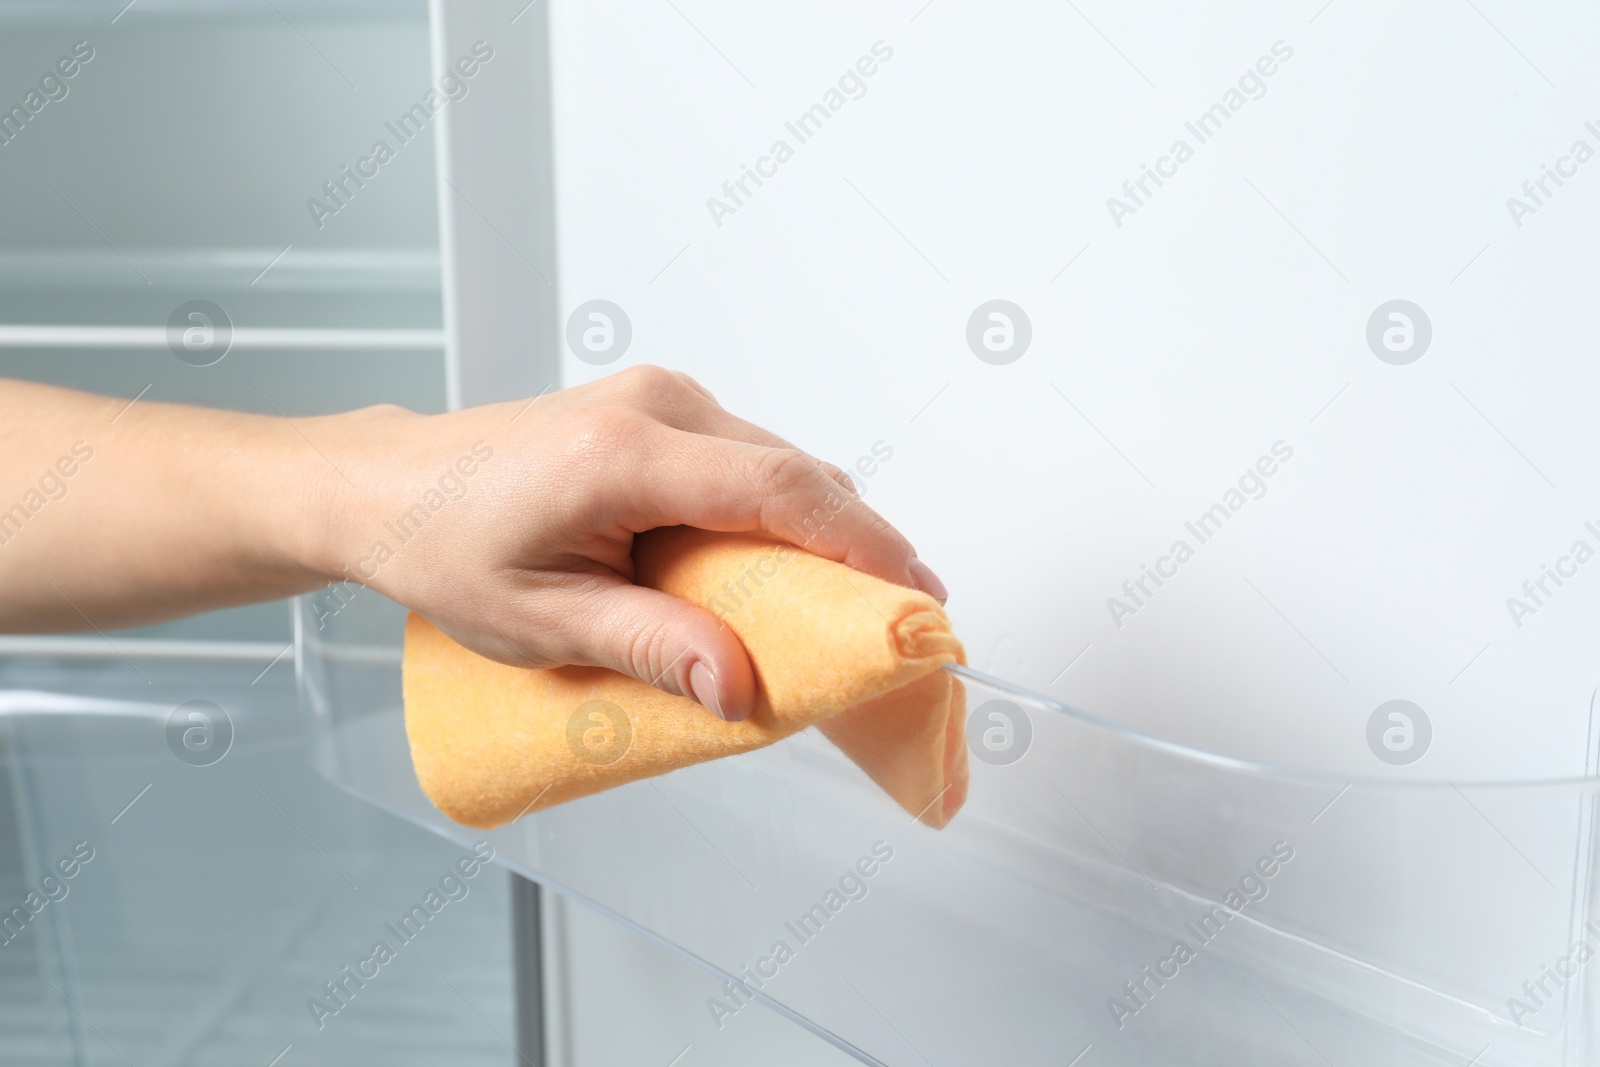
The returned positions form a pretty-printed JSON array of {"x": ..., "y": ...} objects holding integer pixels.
[{"x": 114, "y": 516}]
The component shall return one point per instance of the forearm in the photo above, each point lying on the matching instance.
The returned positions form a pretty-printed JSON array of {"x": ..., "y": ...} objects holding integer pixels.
[{"x": 113, "y": 515}]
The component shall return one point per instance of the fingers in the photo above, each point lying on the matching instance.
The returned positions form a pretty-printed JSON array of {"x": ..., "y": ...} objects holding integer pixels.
[
  {"x": 679, "y": 401},
  {"x": 720, "y": 472},
  {"x": 727, "y": 485},
  {"x": 666, "y": 642},
  {"x": 716, "y": 422}
]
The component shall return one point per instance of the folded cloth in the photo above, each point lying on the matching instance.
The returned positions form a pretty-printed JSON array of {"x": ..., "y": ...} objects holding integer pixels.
[{"x": 857, "y": 656}]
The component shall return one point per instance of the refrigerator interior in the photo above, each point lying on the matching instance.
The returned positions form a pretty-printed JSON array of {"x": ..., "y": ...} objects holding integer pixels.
[{"x": 1175, "y": 339}]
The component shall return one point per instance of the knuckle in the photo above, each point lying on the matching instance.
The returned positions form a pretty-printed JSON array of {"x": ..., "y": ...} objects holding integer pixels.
[
  {"x": 593, "y": 456},
  {"x": 647, "y": 652},
  {"x": 838, "y": 474},
  {"x": 880, "y": 527},
  {"x": 583, "y": 622},
  {"x": 786, "y": 470},
  {"x": 647, "y": 380},
  {"x": 693, "y": 386}
]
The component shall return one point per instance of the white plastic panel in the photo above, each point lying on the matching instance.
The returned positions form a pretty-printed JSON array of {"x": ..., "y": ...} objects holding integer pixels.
[{"x": 1169, "y": 353}]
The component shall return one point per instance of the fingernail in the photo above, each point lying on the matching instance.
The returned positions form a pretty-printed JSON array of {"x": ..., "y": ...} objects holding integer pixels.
[
  {"x": 928, "y": 581},
  {"x": 704, "y": 685}
]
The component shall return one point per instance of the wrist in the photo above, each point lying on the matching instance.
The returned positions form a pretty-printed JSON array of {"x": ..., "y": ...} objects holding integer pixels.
[
  {"x": 302, "y": 504},
  {"x": 352, "y": 481}
]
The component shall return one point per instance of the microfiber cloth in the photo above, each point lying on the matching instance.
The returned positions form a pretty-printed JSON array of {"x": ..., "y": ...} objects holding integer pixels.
[{"x": 856, "y": 656}]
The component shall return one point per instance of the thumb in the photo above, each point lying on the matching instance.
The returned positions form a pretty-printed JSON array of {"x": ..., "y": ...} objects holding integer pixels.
[{"x": 668, "y": 643}]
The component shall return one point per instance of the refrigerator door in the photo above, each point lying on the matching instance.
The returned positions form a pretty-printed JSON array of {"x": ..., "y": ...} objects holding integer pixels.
[{"x": 1219, "y": 362}]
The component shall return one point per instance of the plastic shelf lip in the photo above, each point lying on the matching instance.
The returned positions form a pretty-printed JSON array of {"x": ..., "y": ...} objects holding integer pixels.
[
  {"x": 95, "y": 648},
  {"x": 1243, "y": 766},
  {"x": 25, "y": 702},
  {"x": 47, "y": 335},
  {"x": 30, "y": 12}
]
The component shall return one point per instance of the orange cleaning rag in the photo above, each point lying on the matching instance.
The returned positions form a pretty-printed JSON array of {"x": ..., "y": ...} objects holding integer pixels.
[{"x": 856, "y": 656}]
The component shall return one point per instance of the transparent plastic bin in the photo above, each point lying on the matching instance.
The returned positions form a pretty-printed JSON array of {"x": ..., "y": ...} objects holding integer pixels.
[
  {"x": 219, "y": 895},
  {"x": 1376, "y": 922}
]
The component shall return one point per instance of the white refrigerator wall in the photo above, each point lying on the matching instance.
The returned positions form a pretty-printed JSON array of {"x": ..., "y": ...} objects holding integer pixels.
[{"x": 1182, "y": 332}]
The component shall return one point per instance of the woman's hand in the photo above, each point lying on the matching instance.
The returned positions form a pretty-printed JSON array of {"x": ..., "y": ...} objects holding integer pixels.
[{"x": 510, "y": 526}]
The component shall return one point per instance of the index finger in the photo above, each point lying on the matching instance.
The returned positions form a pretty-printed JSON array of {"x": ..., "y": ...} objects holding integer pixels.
[{"x": 736, "y": 486}]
